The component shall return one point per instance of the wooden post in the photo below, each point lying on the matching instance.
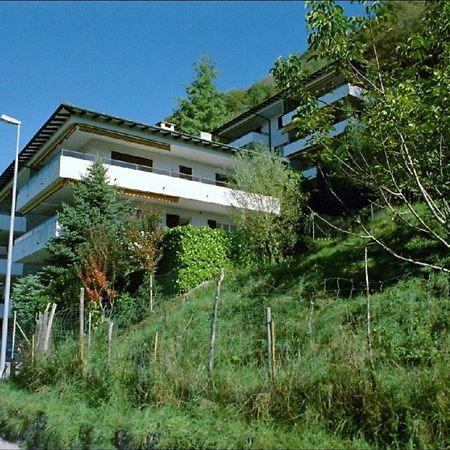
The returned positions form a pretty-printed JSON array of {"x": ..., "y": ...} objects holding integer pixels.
[
  {"x": 313, "y": 227},
  {"x": 272, "y": 338},
  {"x": 368, "y": 324},
  {"x": 81, "y": 324},
  {"x": 155, "y": 346},
  {"x": 89, "y": 331},
  {"x": 215, "y": 315},
  {"x": 33, "y": 339},
  {"x": 151, "y": 292},
  {"x": 269, "y": 340},
  {"x": 14, "y": 335},
  {"x": 49, "y": 330},
  {"x": 38, "y": 331},
  {"x": 110, "y": 331}
]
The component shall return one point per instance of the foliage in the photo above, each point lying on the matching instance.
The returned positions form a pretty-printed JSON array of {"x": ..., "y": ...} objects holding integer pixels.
[
  {"x": 264, "y": 183},
  {"x": 398, "y": 145},
  {"x": 145, "y": 235},
  {"x": 322, "y": 397},
  {"x": 204, "y": 107},
  {"x": 30, "y": 296},
  {"x": 92, "y": 241},
  {"x": 239, "y": 100},
  {"x": 193, "y": 255}
]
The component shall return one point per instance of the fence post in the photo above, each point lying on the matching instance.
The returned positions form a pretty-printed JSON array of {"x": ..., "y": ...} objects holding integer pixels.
[
  {"x": 89, "y": 331},
  {"x": 81, "y": 324},
  {"x": 110, "y": 330},
  {"x": 269, "y": 341},
  {"x": 368, "y": 324},
  {"x": 49, "y": 330},
  {"x": 215, "y": 315},
  {"x": 155, "y": 346},
  {"x": 151, "y": 292},
  {"x": 14, "y": 335}
]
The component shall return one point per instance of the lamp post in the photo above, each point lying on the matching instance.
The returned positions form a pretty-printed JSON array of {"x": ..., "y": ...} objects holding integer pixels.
[{"x": 16, "y": 122}]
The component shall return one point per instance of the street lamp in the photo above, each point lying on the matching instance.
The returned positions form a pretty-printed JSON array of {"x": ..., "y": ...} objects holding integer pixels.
[{"x": 16, "y": 122}]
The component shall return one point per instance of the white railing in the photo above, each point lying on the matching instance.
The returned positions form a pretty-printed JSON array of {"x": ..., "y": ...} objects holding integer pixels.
[
  {"x": 306, "y": 142},
  {"x": 16, "y": 268},
  {"x": 328, "y": 99},
  {"x": 38, "y": 182},
  {"x": 20, "y": 223},
  {"x": 35, "y": 239},
  {"x": 250, "y": 138}
]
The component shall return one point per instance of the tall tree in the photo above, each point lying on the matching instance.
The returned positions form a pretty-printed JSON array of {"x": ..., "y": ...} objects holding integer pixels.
[
  {"x": 398, "y": 144},
  {"x": 204, "y": 107},
  {"x": 95, "y": 212}
]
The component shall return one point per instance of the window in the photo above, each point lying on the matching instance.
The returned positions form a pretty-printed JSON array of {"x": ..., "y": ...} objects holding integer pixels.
[
  {"x": 132, "y": 159},
  {"x": 212, "y": 224},
  {"x": 174, "y": 220},
  {"x": 280, "y": 122},
  {"x": 186, "y": 172},
  {"x": 221, "y": 179}
]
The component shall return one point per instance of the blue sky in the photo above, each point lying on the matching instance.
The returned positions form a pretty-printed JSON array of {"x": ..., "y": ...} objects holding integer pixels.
[{"x": 131, "y": 59}]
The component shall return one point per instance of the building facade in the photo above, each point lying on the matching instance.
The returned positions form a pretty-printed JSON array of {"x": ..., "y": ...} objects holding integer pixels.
[
  {"x": 182, "y": 176},
  {"x": 271, "y": 122}
]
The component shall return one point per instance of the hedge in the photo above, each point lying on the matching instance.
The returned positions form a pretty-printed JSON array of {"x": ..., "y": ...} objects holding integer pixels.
[{"x": 193, "y": 255}]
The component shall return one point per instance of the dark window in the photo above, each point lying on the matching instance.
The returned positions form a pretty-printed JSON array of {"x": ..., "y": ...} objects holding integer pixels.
[
  {"x": 212, "y": 224},
  {"x": 172, "y": 220},
  {"x": 186, "y": 172},
  {"x": 221, "y": 179},
  {"x": 132, "y": 159},
  {"x": 280, "y": 122}
]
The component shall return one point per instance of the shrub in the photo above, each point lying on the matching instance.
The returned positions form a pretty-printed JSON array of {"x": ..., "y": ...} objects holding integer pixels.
[
  {"x": 30, "y": 296},
  {"x": 193, "y": 255}
]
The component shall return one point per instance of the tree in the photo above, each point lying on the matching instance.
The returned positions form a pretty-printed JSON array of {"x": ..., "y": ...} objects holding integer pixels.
[
  {"x": 262, "y": 182},
  {"x": 204, "y": 107},
  {"x": 95, "y": 220},
  {"x": 398, "y": 144}
]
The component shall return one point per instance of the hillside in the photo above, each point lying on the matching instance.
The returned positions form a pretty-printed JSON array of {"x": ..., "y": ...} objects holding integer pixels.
[{"x": 325, "y": 393}]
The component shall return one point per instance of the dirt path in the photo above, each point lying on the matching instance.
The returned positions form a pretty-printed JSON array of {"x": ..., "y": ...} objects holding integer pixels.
[{"x": 4, "y": 445}]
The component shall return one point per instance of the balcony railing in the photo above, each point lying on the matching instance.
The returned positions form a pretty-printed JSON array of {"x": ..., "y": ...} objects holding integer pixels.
[
  {"x": 19, "y": 223},
  {"x": 142, "y": 168},
  {"x": 249, "y": 138},
  {"x": 304, "y": 143},
  {"x": 328, "y": 99}
]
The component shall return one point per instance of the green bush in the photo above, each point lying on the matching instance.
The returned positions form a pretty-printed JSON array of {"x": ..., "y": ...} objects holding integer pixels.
[
  {"x": 30, "y": 296},
  {"x": 193, "y": 255}
]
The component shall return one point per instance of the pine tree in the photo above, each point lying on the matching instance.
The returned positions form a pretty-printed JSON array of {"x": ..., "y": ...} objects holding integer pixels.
[
  {"x": 204, "y": 108},
  {"x": 95, "y": 203}
]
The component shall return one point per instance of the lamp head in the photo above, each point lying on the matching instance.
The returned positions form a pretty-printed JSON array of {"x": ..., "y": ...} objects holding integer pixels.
[{"x": 10, "y": 120}]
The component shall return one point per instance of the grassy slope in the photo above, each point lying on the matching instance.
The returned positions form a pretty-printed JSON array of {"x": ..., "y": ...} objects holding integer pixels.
[{"x": 324, "y": 395}]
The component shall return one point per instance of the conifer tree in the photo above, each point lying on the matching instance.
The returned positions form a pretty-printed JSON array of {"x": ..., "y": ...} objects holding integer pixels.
[
  {"x": 95, "y": 202},
  {"x": 204, "y": 108}
]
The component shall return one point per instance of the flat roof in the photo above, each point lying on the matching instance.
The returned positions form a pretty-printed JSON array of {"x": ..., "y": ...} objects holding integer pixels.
[
  {"x": 67, "y": 110},
  {"x": 283, "y": 94}
]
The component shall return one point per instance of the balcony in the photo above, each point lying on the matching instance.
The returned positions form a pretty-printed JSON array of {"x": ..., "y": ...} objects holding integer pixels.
[
  {"x": 250, "y": 138},
  {"x": 20, "y": 223},
  {"x": 17, "y": 269},
  {"x": 304, "y": 143},
  {"x": 331, "y": 97},
  {"x": 31, "y": 247},
  {"x": 187, "y": 192}
]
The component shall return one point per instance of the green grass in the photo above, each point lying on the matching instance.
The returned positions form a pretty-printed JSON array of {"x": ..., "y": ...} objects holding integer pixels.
[{"x": 324, "y": 395}]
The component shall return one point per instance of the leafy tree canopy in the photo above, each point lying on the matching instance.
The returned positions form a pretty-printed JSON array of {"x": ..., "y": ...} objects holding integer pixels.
[
  {"x": 204, "y": 107},
  {"x": 398, "y": 145}
]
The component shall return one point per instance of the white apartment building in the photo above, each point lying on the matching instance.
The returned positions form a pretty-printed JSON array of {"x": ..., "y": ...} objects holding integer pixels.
[
  {"x": 185, "y": 177},
  {"x": 271, "y": 122}
]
